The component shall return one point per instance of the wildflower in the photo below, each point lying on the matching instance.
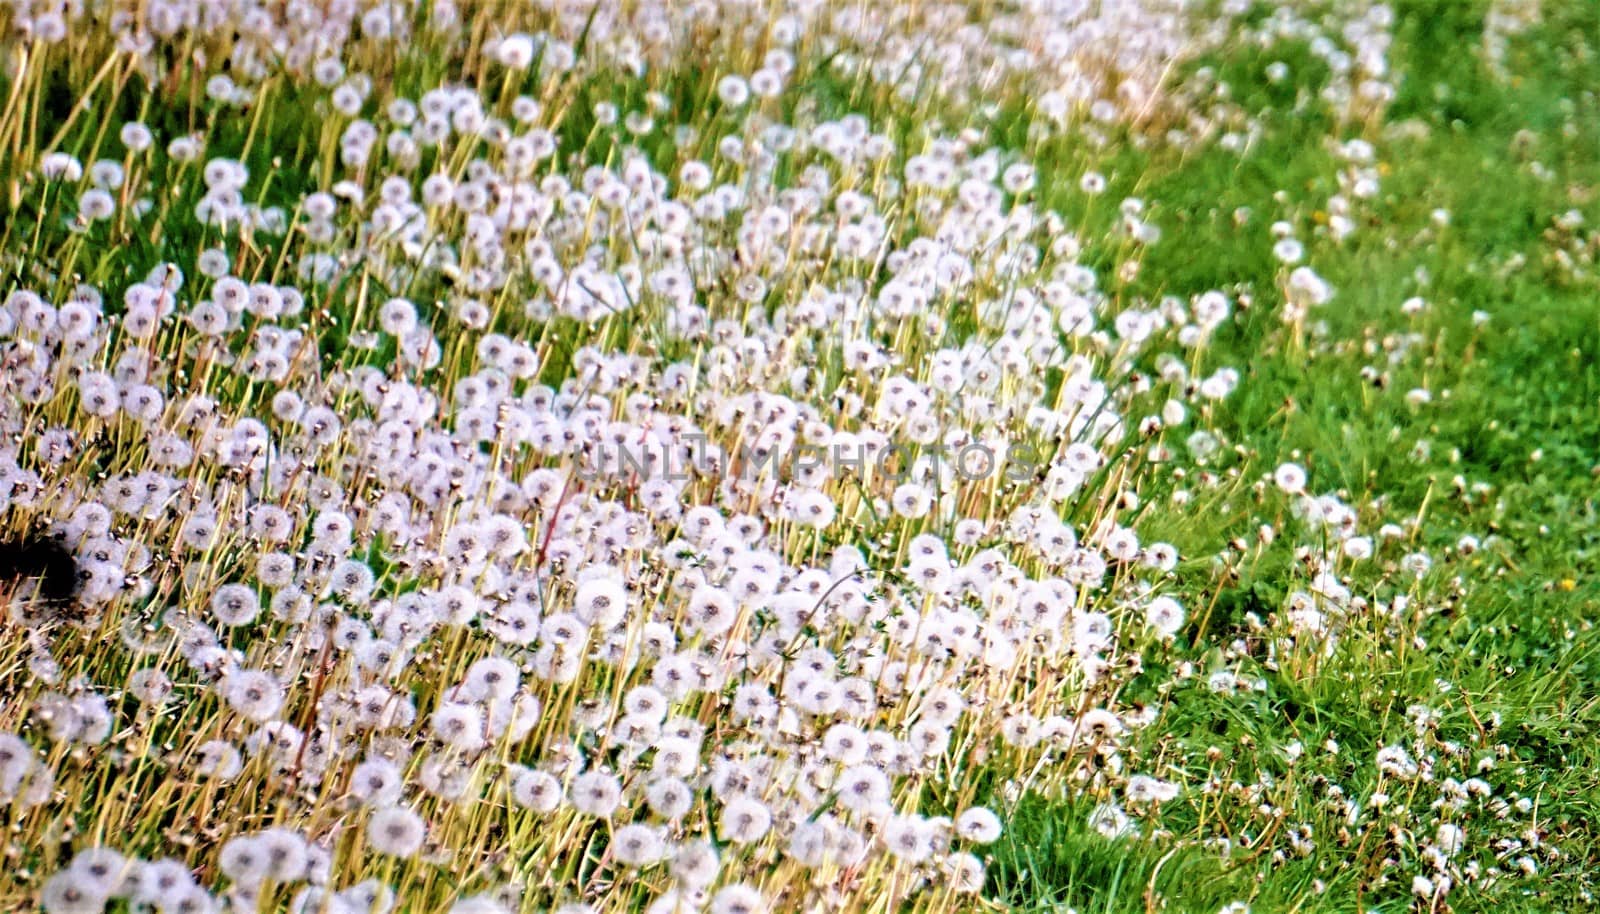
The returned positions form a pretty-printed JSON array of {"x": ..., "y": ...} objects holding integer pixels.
[
  {"x": 395, "y": 831},
  {"x": 669, "y": 797},
  {"x": 288, "y": 859},
  {"x": 1416, "y": 563},
  {"x": 491, "y": 678},
  {"x": 601, "y": 602},
  {"x": 244, "y": 860},
  {"x": 595, "y": 793},
  {"x": 965, "y": 872},
  {"x": 158, "y": 882},
  {"x": 1165, "y": 615},
  {"x": 480, "y": 904},
  {"x": 695, "y": 864},
  {"x": 459, "y": 726},
  {"x": 1290, "y": 478},
  {"x": 516, "y": 51},
  {"x": 862, "y": 787},
  {"x": 135, "y": 136},
  {"x": 1145, "y": 789},
  {"x": 733, "y": 90},
  {"x": 376, "y": 782},
  {"x": 978, "y": 825},
  {"x": 1288, "y": 250},
  {"x": 68, "y": 892},
  {"x": 908, "y": 838},
  {"x": 637, "y": 845},
  {"x": 275, "y": 570},
  {"x": 537, "y": 791},
  {"x": 1109, "y": 820},
  {"x": 218, "y": 759},
  {"x": 445, "y": 775},
  {"x": 59, "y": 166},
  {"x": 1307, "y": 288},
  {"x": 255, "y": 694},
  {"x": 398, "y": 317},
  {"x": 1357, "y": 548},
  {"x": 1449, "y": 838},
  {"x": 96, "y": 204},
  {"x": 744, "y": 820},
  {"x": 712, "y": 611},
  {"x": 235, "y": 604},
  {"x": 911, "y": 500},
  {"x": 738, "y": 898}
]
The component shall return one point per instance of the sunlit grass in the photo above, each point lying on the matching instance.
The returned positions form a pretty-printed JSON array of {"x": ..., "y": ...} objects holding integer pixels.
[{"x": 512, "y": 458}]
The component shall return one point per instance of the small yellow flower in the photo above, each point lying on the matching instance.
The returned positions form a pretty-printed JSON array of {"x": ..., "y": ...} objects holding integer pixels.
[{"x": 1568, "y": 584}]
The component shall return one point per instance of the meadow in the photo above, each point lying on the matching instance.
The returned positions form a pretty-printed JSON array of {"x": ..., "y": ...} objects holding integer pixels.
[{"x": 730, "y": 457}]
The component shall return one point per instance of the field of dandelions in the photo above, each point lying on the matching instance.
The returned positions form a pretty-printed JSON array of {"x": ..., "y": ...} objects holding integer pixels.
[{"x": 807, "y": 456}]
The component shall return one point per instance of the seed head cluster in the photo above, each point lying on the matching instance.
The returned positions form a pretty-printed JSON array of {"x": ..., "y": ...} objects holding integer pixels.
[{"x": 355, "y": 351}]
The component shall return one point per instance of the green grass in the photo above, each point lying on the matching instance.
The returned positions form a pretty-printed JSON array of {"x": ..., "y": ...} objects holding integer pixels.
[
  {"x": 1517, "y": 643},
  {"x": 1491, "y": 667}
]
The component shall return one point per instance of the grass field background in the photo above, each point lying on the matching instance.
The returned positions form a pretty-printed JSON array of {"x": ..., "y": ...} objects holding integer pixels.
[{"x": 1366, "y": 481}]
